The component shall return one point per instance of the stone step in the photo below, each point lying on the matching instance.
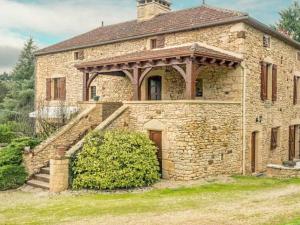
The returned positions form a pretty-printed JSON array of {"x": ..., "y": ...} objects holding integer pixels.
[
  {"x": 45, "y": 170},
  {"x": 38, "y": 184},
  {"x": 42, "y": 177}
]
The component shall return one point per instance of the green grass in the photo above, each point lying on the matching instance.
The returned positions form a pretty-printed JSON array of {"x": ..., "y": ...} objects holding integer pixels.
[{"x": 26, "y": 208}]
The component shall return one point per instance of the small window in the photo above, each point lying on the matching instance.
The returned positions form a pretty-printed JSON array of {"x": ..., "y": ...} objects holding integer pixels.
[
  {"x": 274, "y": 138},
  {"x": 153, "y": 43},
  {"x": 199, "y": 88},
  {"x": 268, "y": 81},
  {"x": 296, "y": 90},
  {"x": 267, "y": 41},
  {"x": 79, "y": 55},
  {"x": 93, "y": 92}
]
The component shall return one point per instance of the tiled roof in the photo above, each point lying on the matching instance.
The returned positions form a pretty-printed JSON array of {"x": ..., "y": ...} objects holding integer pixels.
[
  {"x": 180, "y": 51},
  {"x": 163, "y": 23},
  {"x": 183, "y": 20}
]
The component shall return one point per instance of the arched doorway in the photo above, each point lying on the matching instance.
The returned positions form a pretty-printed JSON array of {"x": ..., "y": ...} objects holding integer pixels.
[{"x": 154, "y": 88}]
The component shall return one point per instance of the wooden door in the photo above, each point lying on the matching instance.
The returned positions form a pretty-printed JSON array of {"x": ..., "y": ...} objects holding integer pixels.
[
  {"x": 292, "y": 143},
  {"x": 156, "y": 137},
  {"x": 154, "y": 88},
  {"x": 253, "y": 152}
]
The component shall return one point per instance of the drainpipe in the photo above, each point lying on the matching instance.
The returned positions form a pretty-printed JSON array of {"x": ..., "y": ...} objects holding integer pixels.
[{"x": 244, "y": 118}]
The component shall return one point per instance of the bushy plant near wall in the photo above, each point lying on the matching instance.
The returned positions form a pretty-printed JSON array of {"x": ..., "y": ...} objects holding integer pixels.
[
  {"x": 116, "y": 160},
  {"x": 12, "y": 172}
]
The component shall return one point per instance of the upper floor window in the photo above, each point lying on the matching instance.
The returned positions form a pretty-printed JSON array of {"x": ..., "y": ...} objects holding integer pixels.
[
  {"x": 153, "y": 43},
  {"x": 267, "y": 41},
  {"x": 79, "y": 55},
  {"x": 268, "y": 81},
  {"x": 56, "y": 89},
  {"x": 199, "y": 88}
]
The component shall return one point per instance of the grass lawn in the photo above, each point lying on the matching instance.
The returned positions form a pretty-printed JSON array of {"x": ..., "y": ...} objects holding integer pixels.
[{"x": 243, "y": 200}]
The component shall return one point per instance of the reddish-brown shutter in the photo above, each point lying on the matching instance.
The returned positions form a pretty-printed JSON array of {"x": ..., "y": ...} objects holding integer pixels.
[
  {"x": 292, "y": 143},
  {"x": 62, "y": 86},
  {"x": 274, "y": 83},
  {"x": 160, "y": 41},
  {"x": 81, "y": 55},
  {"x": 48, "y": 89},
  {"x": 295, "y": 90},
  {"x": 274, "y": 138},
  {"x": 264, "y": 81}
]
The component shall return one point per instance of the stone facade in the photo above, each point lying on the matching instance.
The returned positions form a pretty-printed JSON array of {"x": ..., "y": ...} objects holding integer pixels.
[{"x": 201, "y": 139}]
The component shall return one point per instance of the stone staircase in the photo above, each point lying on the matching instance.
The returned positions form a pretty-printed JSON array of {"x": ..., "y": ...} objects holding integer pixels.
[{"x": 41, "y": 179}]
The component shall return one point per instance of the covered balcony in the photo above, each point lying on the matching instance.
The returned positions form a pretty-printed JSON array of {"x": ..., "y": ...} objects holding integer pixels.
[{"x": 173, "y": 73}]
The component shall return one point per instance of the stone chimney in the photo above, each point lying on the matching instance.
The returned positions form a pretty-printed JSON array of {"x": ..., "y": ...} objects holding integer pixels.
[{"x": 147, "y": 9}]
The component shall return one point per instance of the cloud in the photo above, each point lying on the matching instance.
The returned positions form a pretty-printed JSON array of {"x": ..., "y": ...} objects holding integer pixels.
[{"x": 62, "y": 17}]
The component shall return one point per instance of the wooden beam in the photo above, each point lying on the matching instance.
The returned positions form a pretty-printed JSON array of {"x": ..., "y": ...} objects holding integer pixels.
[
  {"x": 191, "y": 76},
  {"x": 144, "y": 74},
  {"x": 180, "y": 70},
  {"x": 85, "y": 90},
  {"x": 135, "y": 84}
]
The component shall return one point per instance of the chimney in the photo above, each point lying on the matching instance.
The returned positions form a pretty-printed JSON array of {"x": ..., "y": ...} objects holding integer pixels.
[{"x": 147, "y": 9}]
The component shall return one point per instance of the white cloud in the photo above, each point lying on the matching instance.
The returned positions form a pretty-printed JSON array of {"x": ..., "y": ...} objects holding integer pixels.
[{"x": 62, "y": 17}]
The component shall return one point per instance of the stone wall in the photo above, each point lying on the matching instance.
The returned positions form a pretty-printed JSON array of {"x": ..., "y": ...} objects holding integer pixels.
[
  {"x": 201, "y": 139},
  {"x": 69, "y": 135},
  {"x": 281, "y": 113}
]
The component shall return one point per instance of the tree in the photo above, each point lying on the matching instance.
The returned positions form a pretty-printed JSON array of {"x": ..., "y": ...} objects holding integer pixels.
[
  {"x": 19, "y": 100},
  {"x": 289, "y": 22}
]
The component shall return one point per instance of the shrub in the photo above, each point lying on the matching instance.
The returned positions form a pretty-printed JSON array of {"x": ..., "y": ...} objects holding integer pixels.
[
  {"x": 114, "y": 160},
  {"x": 12, "y": 173},
  {"x": 12, "y": 154},
  {"x": 12, "y": 176}
]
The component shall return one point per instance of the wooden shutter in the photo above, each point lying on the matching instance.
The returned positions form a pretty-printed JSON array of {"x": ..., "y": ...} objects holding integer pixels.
[
  {"x": 48, "y": 89},
  {"x": 62, "y": 87},
  {"x": 264, "y": 81},
  {"x": 274, "y": 138},
  {"x": 292, "y": 143},
  {"x": 81, "y": 55},
  {"x": 295, "y": 90},
  {"x": 274, "y": 83},
  {"x": 160, "y": 41}
]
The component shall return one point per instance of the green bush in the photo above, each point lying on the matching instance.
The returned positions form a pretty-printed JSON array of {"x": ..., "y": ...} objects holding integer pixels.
[
  {"x": 12, "y": 154},
  {"x": 115, "y": 160},
  {"x": 12, "y": 173},
  {"x": 12, "y": 176}
]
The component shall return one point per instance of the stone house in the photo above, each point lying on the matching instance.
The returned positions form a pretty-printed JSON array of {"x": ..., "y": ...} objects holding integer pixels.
[{"x": 215, "y": 89}]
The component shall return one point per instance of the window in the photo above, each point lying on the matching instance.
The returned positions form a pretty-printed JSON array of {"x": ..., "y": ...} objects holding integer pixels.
[
  {"x": 267, "y": 41},
  {"x": 298, "y": 56},
  {"x": 199, "y": 88},
  {"x": 93, "y": 92},
  {"x": 274, "y": 138},
  {"x": 79, "y": 55},
  {"x": 153, "y": 43},
  {"x": 268, "y": 81},
  {"x": 56, "y": 89}
]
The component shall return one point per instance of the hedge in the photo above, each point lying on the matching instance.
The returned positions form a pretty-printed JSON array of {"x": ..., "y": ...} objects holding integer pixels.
[
  {"x": 12, "y": 173},
  {"x": 116, "y": 160},
  {"x": 6, "y": 134}
]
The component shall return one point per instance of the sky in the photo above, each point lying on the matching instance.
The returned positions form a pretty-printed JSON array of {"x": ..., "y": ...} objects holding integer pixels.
[{"x": 51, "y": 21}]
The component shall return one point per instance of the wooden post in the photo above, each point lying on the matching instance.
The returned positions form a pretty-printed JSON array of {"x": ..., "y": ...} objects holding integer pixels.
[
  {"x": 135, "y": 84},
  {"x": 85, "y": 94},
  {"x": 191, "y": 68}
]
